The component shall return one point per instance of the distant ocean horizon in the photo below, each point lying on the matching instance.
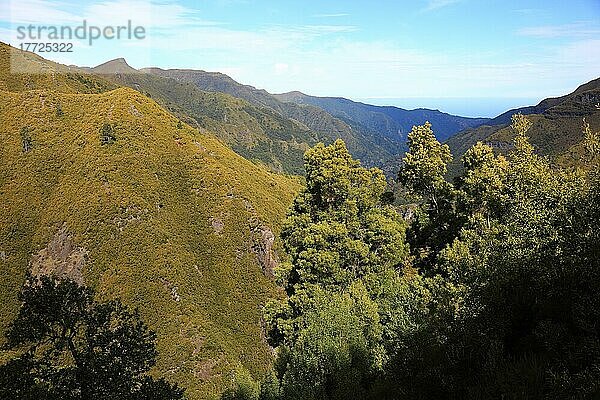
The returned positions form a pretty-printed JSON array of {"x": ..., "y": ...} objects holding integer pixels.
[{"x": 487, "y": 107}]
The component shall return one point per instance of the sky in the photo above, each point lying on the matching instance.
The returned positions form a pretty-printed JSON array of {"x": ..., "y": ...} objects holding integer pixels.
[{"x": 469, "y": 57}]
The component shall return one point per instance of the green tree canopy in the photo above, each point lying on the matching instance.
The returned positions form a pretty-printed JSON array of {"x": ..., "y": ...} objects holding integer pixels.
[
  {"x": 338, "y": 230},
  {"x": 71, "y": 347},
  {"x": 346, "y": 250}
]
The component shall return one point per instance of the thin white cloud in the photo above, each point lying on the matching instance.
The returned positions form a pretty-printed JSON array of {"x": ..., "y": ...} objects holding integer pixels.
[
  {"x": 527, "y": 11},
  {"x": 335, "y": 15},
  {"x": 579, "y": 29},
  {"x": 150, "y": 14},
  {"x": 266, "y": 41},
  {"x": 40, "y": 12},
  {"x": 581, "y": 53},
  {"x": 323, "y": 29},
  {"x": 147, "y": 13},
  {"x": 437, "y": 4}
]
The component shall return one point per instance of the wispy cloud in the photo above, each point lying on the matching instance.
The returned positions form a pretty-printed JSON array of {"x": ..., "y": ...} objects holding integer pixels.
[
  {"x": 437, "y": 4},
  {"x": 323, "y": 29},
  {"x": 526, "y": 11},
  {"x": 149, "y": 13},
  {"x": 37, "y": 12},
  {"x": 338, "y": 15},
  {"x": 579, "y": 29},
  {"x": 265, "y": 42}
]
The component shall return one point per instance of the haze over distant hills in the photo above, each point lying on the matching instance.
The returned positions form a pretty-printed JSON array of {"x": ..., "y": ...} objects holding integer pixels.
[
  {"x": 390, "y": 121},
  {"x": 476, "y": 107},
  {"x": 556, "y": 126},
  {"x": 374, "y": 134}
]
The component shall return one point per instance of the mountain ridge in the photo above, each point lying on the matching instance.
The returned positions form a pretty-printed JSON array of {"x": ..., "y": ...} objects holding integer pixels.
[
  {"x": 256, "y": 133},
  {"x": 390, "y": 120},
  {"x": 117, "y": 65},
  {"x": 556, "y": 126},
  {"x": 543, "y": 105},
  {"x": 327, "y": 128}
]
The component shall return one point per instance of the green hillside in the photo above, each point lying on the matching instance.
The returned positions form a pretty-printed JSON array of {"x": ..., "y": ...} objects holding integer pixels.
[
  {"x": 556, "y": 130},
  {"x": 21, "y": 70},
  {"x": 390, "y": 123},
  {"x": 372, "y": 147},
  {"x": 257, "y": 133},
  {"x": 111, "y": 190}
]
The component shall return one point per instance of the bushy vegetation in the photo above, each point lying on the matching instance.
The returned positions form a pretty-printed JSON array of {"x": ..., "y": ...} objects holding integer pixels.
[
  {"x": 490, "y": 290},
  {"x": 255, "y": 132},
  {"x": 143, "y": 209},
  {"x": 73, "y": 348},
  {"x": 303, "y": 125}
]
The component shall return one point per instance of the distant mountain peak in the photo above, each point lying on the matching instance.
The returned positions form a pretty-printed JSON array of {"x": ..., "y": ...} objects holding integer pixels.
[
  {"x": 116, "y": 66},
  {"x": 295, "y": 93}
]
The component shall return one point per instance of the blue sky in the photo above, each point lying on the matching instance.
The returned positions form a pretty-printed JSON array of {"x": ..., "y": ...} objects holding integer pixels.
[{"x": 494, "y": 53}]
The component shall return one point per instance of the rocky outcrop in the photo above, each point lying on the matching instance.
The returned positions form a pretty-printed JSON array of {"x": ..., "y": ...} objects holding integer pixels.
[
  {"x": 217, "y": 224},
  {"x": 263, "y": 248},
  {"x": 61, "y": 258},
  {"x": 172, "y": 289}
]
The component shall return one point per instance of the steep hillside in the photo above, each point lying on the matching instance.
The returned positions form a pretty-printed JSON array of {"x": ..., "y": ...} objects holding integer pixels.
[
  {"x": 255, "y": 132},
  {"x": 392, "y": 122},
  {"x": 548, "y": 103},
  {"x": 110, "y": 189},
  {"x": 21, "y": 70},
  {"x": 368, "y": 145},
  {"x": 556, "y": 129}
]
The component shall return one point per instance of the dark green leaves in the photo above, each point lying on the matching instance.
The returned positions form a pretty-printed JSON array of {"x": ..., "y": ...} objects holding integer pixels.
[
  {"x": 74, "y": 348},
  {"x": 107, "y": 134}
]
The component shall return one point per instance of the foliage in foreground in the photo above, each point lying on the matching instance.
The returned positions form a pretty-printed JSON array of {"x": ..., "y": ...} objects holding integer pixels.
[
  {"x": 498, "y": 297},
  {"x": 70, "y": 347}
]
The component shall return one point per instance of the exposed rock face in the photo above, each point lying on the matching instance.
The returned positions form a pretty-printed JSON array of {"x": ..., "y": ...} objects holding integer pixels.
[
  {"x": 171, "y": 288},
  {"x": 61, "y": 258},
  {"x": 134, "y": 111},
  {"x": 262, "y": 244},
  {"x": 217, "y": 224},
  {"x": 263, "y": 248}
]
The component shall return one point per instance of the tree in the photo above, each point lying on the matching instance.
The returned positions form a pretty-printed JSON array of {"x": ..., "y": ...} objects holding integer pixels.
[
  {"x": 436, "y": 221},
  {"x": 73, "y": 348},
  {"x": 338, "y": 230},
  {"x": 483, "y": 183},
  {"x": 529, "y": 279},
  {"x": 507, "y": 307},
  {"x": 425, "y": 164},
  {"x": 344, "y": 247},
  {"x": 336, "y": 355}
]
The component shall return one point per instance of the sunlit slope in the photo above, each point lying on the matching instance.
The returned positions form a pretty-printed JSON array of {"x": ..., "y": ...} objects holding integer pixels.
[
  {"x": 257, "y": 133},
  {"x": 169, "y": 220},
  {"x": 369, "y": 146},
  {"x": 556, "y": 129},
  {"x": 21, "y": 71}
]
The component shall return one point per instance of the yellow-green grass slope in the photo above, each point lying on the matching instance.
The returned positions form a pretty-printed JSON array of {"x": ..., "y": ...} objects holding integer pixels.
[
  {"x": 257, "y": 133},
  {"x": 171, "y": 221}
]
